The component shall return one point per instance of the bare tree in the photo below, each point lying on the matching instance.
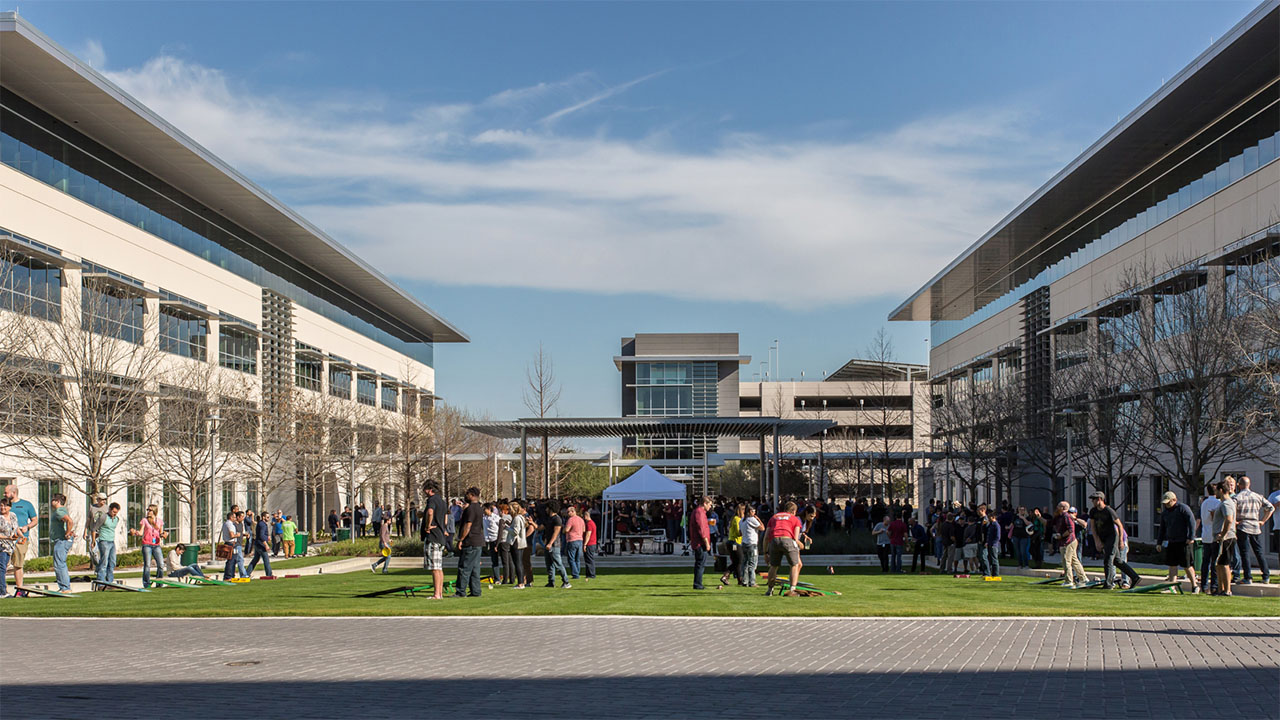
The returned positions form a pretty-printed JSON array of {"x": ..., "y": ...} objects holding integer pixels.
[
  {"x": 960, "y": 424},
  {"x": 886, "y": 415},
  {"x": 541, "y": 397}
]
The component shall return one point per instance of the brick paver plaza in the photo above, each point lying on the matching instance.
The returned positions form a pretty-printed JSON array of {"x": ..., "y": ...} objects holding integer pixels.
[{"x": 624, "y": 667}]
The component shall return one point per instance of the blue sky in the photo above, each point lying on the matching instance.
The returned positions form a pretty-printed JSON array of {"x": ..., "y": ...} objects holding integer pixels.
[{"x": 569, "y": 174}]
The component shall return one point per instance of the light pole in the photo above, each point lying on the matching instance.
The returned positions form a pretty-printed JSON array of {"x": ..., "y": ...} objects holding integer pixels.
[
  {"x": 212, "y": 419},
  {"x": 351, "y": 493},
  {"x": 1068, "y": 413}
]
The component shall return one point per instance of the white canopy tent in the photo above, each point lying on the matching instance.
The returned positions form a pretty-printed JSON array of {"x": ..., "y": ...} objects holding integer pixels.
[{"x": 644, "y": 484}]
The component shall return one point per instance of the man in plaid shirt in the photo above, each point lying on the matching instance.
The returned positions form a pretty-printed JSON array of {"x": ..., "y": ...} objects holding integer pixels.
[{"x": 1252, "y": 512}]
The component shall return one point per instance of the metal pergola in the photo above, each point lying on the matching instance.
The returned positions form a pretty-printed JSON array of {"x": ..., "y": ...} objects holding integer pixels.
[{"x": 750, "y": 427}]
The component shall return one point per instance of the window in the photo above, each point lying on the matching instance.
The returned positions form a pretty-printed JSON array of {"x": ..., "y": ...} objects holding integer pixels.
[
  {"x": 172, "y": 512},
  {"x": 30, "y": 286},
  {"x": 115, "y": 407},
  {"x": 1159, "y": 486},
  {"x": 665, "y": 389},
  {"x": 45, "y": 492},
  {"x": 307, "y": 373},
  {"x": 228, "y": 497},
  {"x": 339, "y": 382},
  {"x": 183, "y": 416},
  {"x": 1129, "y": 504},
  {"x": 135, "y": 509},
  {"x": 112, "y": 310},
  {"x": 1177, "y": 305},
  {"x": 366, "y": 390},
  {"x": 202, "y": 511},
  {"x": 389, "y": 397},
  {"x": 366, "y": 439},
  {"x": 1010, "y": 368},
  {"x": 238, "y": 429},
  {"x": 409, "y": 402},
  {"x": 238, "y": 349},
  {"x": 32, "y": 402},
  {"x": 982, "y": 376},
  {"x": 1071, "y": 345},
  {"x": 253, "y": 495},
  {"x": 340, "y": 437},
  {"x": 183, "y": 333}
]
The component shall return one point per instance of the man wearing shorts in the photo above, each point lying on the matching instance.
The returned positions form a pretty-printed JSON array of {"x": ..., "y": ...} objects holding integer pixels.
[
  {"x": 1224, "y": 534},
  {"x": 1177, "y": 534},
  {"x": 24, "y": 513},
  {"x": 433, "y": 521},
  {"x": 783, "y": 533}
]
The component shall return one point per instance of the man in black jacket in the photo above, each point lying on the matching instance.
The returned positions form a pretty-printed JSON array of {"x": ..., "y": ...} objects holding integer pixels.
[
  {"x": 261, "y": 545},
  {"x": 1177, "y": 536}
]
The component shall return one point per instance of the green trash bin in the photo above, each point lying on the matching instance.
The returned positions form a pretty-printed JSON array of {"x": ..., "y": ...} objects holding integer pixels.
[
  {"x": 190, "y": 555},
  {"x": 1198, "y": 554},
  {"x": 343, "y": 534},
  {"x": 300, "y": 543}
]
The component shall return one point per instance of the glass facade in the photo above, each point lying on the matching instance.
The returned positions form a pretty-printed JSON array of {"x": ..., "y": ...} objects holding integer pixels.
[
  {"x": 1238, "y": 152},
  {"x": 307, "y": 373},
  {"x": 36, "y": 144},
  {"x": 32, "y": 401},
  {"x": 339, "y": 382},
  {"x": 30, "y": 286},
  {"x": 110, "y": 310},
  {"x": 238, "y": 349},
  {"x": 389, "y": 397},
  {"x": 366, "y": 390},
  {"x": 676, "y": 389},
  {"x": 183, "y": 333}
]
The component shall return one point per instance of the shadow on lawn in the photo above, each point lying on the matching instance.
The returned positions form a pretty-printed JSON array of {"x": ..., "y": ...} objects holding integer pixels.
[{"x": 1022, "y": 694}]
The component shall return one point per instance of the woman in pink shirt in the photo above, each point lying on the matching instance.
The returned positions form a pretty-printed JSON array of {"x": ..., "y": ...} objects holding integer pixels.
[{"x": 152, "y": 533}]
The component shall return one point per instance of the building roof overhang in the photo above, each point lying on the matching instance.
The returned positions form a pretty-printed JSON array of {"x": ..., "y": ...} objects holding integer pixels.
[
  {"x": 1243, "y": 59},
  {"x": 43, "y": 73},
  {"x": 618, "y": 360},
  {"x": 652, "y": 427}
]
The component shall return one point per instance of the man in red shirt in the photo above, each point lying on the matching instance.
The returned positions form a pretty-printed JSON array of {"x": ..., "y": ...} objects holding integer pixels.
[
  {"x": 783, "y": 534},
  {"x": 700, "y": 534},
  {"x": 589, "y": 546}
]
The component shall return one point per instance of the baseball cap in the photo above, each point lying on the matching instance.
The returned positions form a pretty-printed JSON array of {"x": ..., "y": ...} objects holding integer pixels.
[
  {"x": 99, "y": 496},
  {"x": 1097, "y": 495},
  {"x": 1168, "y": 497}
]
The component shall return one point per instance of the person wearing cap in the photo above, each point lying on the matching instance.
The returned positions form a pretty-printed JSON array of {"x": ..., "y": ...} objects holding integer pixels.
[
  {"x": 1108, "y": 536},
  {"x": 1252, "y": 510},
  {"x": 1064, "y": 529},
  {"x": 1209, "y": 546},
  {"x": 1177, "y": 535},
  {"x": 96, "y": 514}
]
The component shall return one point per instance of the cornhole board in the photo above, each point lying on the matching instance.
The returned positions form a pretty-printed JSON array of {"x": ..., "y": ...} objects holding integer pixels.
[
  {"x": 992, "y": 578},
  {"x": 238, "y": 580},
  {"x": 804, "y": 587},
  {"x": 961, "y": 575},
  {"x": 22, "y": 590},
  {"x": 104, "y": 586},
  {"x": 1173, "y": 587},
  {"x": 171, "y": 583},
  {"x": 207, "y": 581},
  {"x": 407, "y": 590},
  {"x": 286, "y": 577},
  {"x": 1091, "y": 585},
  {"x": 1050, "y": 581}
]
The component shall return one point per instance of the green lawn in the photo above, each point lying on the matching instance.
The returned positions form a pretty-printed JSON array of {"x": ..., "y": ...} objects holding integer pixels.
[
  {"x": 641, "y": 591},
  {"x": 275, "y": 565}
]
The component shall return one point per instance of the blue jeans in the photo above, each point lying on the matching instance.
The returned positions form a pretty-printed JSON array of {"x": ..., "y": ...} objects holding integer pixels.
[
  {"x": 699, "y": 564},
  {"x": 555, "y": 564},
  {"x": 989, "y": 560},
  {"x": 148, "y": 552},
  {"x": 1022, "y": 551},
  {"x": 574, "y": 557},
  {"x": 4, "y": 563},
  {"x": 469, "y": 571},
  {"x": 1245, "y": 543},
  {"x": 895, "y": 558},
  {"x": 235, "y": 564},
  {"x": 107, "y": 565},
  {"x": 747, "y": 571},
  {"x": 192, "y": 569},
  {"x": 60, "y": 550},
  {"x": 262, "y": 554}
]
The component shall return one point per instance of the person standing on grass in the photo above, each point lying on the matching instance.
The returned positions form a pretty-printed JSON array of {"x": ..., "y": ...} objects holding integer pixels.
[
  {"x": 435, "y": 540},
  {"x": 1064, "y": 528},
  {"x": 1020, "y": 534},
  {"x": 107, "y": 543},
  {"x": 749, "y": 528},
  {"x": 881, "y": 533},
  {"x": 1177, "y": 537},
  {"x": 152, "y": 532},
  {"x": 783, "y": 533},
  {"x": 517, "y": 538},
  {"x": 1224, "y": 534},
  {"x": 1252, "y": 511},
  {"x": 333, "y": 526},
  {"x": 552, "y": 544},
  {"x": 62, "y": 532},
  {"x": 575, "y": 529},
  {"x": 920, "y": 538},
  {"x": 590, "y": 543},
  {"x": 24, "y": 513},
  {"x": 9, "y": 535},
  {"x": 92, "y": 522},
  {"x": 261, "y": 546},
  {"x": 735, "y": 546},
  {"x": 897, "y": 530},
  {"x": 384, "y": 549},
  {"x": 492, "y": 524},
  {"x": 1107, "y": 535},
  {"x": 230, "y": 536},
  {"x": 470, "y": 545},
  {"x": 991, "y": 548},
  {"x": 1209, "y": 547},
  {"x": 288, "y": 529},
  {"x": 177, "y": 569},
  {"x": 700, "y": 537}
]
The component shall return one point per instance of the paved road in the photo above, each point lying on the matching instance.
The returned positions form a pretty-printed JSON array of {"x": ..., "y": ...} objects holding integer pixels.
[{"x": 636, "y": 668}]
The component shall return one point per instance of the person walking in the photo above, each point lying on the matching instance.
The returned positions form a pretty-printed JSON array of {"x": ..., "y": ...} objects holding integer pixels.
[
  {"x": 590, "y": 543},
  {"x": 783, "y": 533},
  {"x": 470, "y": 545},
  {"x": 1252, "y": 512},
  {"x": 552, "y": 544},
  {"x": 25, "y": 514},
  {"x": 1177, "y": 537},
  {"x": 106, "y": 543},
  {"x": 175, "y": 567},
  {"x": 261, "y": 546},
  {"x": 152, "y": 532},
  {"x": 10, "y": 533},
  {"x": 92, "y": 523},
  {"x": 384, "y": 549},
  {"x": 881, "y": 533},
  {"x": 575, "y": 530},
  {"x": 1064, "y": 527},
  {"x": 288, "y": 531},
  {"x": 1108, "y": 536},
  {"x": 749, "y": 528},
  {"x": 1224, "y": 534},
  {"x": 435, "y": 540},
  {"x": 230, "y": 539},
  {"x": 333, "y": 521},
  {"x": 700, "y": 536},
  {"x": 62, "y": 529}
]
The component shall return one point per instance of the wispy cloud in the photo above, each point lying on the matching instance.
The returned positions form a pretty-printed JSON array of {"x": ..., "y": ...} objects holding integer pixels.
[{"x": 470, "y": 193}]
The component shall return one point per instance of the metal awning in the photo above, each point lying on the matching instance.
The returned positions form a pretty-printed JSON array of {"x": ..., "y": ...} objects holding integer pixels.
[
  {"x": 15, "y": 243},
  {"x": 652, "y": 427}
]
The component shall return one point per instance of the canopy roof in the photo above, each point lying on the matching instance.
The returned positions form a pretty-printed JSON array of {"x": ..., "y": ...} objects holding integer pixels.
[
  {"x": 652, "y": 427},
  {"x": 646, "y": 484}
]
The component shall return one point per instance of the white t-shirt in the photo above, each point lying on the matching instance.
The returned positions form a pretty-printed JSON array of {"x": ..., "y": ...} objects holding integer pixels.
[
  {"x": 1274, "y": 499},
  {"x": 750, "y": 528},
  {"x": 491, "y": 527},
  {"x": 1207, "y": 506}
]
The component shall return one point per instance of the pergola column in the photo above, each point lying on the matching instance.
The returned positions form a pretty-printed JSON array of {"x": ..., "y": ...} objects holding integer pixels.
[
  {"x": 776, "y": 495},
  {"x": 524, "y": 463}
]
